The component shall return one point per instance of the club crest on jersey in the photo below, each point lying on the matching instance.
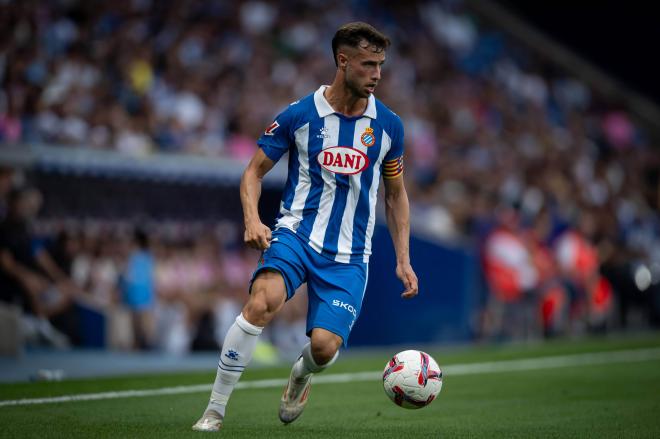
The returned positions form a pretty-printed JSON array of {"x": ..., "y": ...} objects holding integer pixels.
[
  {"x": 270, "y": 131},
  {"x": 343, "y": 160},
  {"x": 368, "y": 138}
]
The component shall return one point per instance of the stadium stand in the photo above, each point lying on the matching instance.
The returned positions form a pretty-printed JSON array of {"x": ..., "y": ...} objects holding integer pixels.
[{"x": 142, "y": 113}]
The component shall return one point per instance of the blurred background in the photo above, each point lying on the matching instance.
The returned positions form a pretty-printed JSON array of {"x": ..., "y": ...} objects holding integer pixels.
[{"x": 534, "y": 177}]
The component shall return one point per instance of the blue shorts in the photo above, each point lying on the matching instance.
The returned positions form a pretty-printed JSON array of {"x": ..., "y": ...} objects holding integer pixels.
[{"x": 335, "y": 290}]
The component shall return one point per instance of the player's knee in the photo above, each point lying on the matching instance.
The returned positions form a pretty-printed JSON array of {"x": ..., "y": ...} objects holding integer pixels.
[
  {"x": 323, "y": 355},
  {"x": 265, "y": 300},
  {"x": 256, "y": 311},
  {"x": 325, "y": 347}
]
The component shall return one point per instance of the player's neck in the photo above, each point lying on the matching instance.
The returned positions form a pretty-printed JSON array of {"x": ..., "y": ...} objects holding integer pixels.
[{"x": 343, "y": 101}]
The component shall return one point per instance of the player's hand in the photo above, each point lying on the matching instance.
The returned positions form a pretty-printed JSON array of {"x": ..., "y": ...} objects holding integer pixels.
[
  {"x": 257, "y": 235},
  {"x": 409, "y": 279}
]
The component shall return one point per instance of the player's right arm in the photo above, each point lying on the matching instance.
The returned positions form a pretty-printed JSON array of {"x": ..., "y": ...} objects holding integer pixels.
[
  {"x": 257, "y": 234},
  {"x": 273, "y": 144}
]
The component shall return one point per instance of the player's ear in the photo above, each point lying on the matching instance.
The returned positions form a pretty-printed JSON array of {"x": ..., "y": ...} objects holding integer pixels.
[{"x": 342, "y": 60}]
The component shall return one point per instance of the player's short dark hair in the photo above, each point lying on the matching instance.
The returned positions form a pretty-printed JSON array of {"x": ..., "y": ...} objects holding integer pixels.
[{"x": 351, "y": 34}]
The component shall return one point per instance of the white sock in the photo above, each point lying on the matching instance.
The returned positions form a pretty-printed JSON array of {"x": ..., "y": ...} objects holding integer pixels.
[
  {"x": 305, "y": 365},
  {"x": 237, "y": 350}
]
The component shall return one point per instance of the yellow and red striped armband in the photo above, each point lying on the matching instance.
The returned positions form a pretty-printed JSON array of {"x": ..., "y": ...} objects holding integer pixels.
[{"x": 393, "y": 168}]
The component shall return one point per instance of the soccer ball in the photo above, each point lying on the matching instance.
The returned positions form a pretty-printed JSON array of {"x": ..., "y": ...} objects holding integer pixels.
[{"x": 412, "y": 379}]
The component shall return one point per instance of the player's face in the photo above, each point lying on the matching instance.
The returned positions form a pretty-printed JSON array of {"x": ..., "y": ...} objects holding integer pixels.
[{"x": 363, "y": 69}]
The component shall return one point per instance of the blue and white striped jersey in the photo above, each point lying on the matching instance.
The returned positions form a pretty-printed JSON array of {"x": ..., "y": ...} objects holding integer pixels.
[{"x": 335, "y": 165}]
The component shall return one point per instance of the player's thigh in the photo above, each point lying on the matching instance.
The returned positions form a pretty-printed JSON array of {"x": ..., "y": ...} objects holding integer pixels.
[
  {"x": 286, "y": 255},
  {"x": 267, "y": 296},
  {"x": 280, "y": 271}
]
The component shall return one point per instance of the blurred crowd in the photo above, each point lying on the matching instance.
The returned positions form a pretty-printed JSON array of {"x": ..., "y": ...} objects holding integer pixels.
[
  {"x": 555, "y": 186},
  {"x": 176, "y": 288}
]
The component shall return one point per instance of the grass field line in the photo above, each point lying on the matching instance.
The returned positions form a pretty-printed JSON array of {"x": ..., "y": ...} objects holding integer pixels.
[{"x": 538, "y": 363}]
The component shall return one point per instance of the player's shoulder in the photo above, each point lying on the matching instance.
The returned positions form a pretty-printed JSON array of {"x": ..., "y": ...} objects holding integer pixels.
[
  {"x": 293, "y": 116},
  {"x": 387, "y": 117},
  {"x": 385, "y": 111},
  {"x": 300, "y": 107}
]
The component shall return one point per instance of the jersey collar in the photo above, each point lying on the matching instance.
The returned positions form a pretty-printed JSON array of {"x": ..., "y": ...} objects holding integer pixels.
[{"x": 324, "y": 109}]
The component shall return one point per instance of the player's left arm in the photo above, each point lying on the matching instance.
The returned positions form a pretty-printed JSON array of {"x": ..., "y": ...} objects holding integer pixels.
[{"x": 397, "y": 212}]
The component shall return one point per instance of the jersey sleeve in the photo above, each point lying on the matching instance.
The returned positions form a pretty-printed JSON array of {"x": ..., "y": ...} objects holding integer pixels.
[
  {"x": 278, "y": 136},
  {"x": 393, "y": 161}
]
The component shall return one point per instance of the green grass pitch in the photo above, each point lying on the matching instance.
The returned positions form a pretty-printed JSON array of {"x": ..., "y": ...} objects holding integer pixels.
[{"x": 596, "y": 401}]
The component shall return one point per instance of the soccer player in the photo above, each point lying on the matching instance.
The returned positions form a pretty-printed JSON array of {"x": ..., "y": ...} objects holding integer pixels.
[{"x": 340, "y": 140}]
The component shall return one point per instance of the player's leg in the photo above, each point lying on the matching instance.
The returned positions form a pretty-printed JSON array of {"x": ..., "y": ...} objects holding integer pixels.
[
  {"x": 317, "y": 355},
  {"x": 320, "y": 353},
  {"x": 335, "y": 294},
  {"x": 279, "y": 273},
  {"x": 267, "y": 297}
]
